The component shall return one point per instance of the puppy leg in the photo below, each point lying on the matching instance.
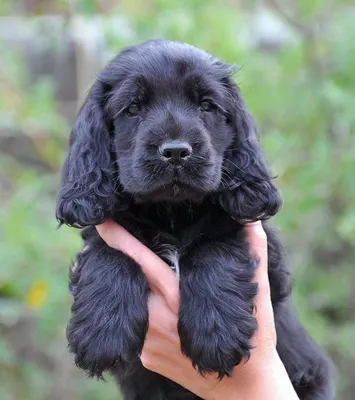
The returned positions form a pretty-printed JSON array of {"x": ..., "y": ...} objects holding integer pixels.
[
  {"x": 216, "y": 321},
  {"x": 110, "y": 314},
  {"x": 308, "y": 367}
]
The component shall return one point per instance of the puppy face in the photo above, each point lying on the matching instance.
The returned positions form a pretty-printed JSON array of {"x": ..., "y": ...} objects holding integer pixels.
[
  {"x": 164, "y": 122},
  {"x": 170, "y": 123}
]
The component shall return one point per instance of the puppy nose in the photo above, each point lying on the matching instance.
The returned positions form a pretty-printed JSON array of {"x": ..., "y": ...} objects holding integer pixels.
[{"x": 175, "y": 151}]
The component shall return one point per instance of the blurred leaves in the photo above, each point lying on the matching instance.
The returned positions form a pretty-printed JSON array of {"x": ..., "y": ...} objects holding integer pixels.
[{"x": 301, "y": 93}]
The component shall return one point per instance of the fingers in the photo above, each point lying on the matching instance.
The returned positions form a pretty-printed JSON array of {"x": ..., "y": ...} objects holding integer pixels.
[
  {"x": 256, "y": 236},
  {"x": 162, "y": 280},
  {"x": 264, "y": 312},
  {"x": 159, "y": 275}
]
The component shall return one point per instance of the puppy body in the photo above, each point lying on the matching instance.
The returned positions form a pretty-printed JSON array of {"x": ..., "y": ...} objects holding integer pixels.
[{"x": 166, "y": 147}]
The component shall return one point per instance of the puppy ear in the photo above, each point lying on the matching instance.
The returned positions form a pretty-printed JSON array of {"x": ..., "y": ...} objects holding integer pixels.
[
  {"x": 89, "y": 177},
  {"x": 251, "y": 194}
]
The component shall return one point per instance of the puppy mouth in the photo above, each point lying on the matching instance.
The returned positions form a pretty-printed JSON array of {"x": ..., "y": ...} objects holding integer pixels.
[{"x": 167, "y": 183}]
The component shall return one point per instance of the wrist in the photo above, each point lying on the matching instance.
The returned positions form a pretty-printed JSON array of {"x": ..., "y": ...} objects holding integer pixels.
[
  {"x": 274, "y": 384},
  {"x": 267, "y": 381}
]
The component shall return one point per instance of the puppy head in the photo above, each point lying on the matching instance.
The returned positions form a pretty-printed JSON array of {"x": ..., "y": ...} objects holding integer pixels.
[{"x": 164, "y": 121}]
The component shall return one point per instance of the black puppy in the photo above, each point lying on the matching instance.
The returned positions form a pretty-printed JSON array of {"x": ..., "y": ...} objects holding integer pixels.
[{"x": 165, "y": 146}]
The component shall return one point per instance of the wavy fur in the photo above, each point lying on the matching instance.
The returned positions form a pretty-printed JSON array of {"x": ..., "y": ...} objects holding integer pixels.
[{"x": 194, "y": 206}]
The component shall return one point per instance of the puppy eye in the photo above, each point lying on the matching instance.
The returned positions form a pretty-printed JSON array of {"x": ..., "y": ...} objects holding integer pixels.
[
  {"x": 206, "y": 106},
  {"x": 133, "y": 110}
]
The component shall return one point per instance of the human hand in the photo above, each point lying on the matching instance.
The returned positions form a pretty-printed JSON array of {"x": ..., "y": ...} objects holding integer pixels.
[{"x": 262, "y": 374}]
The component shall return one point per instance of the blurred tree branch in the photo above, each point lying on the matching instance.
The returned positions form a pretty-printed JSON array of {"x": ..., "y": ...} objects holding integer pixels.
[{"x": 290, "y": 17}]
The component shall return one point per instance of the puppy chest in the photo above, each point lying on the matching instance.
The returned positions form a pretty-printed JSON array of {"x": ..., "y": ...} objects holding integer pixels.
[{"x": 171, "y": 255}]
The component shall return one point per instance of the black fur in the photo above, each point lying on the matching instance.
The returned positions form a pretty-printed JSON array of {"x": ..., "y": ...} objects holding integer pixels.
[{"x": 151, "y": 94}]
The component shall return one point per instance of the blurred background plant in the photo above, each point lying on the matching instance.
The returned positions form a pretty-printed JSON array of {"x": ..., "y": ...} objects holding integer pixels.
[{"x": 297, "y": 73}]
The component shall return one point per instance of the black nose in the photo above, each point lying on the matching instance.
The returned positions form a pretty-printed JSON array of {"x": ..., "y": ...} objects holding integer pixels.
[{"x": 175, "y": 151}]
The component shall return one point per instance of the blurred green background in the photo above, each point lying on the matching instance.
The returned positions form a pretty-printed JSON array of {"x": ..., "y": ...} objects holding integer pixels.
[{"x": 297, "y": 75}]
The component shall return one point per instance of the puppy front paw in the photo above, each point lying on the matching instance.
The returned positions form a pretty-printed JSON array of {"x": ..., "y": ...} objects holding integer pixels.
[
  {"x": 109, "y": 318},
  {"x": 216, "y": 332},
  {"x": 106, "y": 341}
]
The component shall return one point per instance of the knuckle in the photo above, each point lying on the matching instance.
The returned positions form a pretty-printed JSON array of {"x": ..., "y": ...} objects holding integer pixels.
[
  {"x": 147, "y": 361},
  {"x": 259, "y": 232}
]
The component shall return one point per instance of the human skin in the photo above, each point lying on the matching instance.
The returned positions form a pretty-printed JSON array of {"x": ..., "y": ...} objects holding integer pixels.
[{"x": 263, "y": 376}]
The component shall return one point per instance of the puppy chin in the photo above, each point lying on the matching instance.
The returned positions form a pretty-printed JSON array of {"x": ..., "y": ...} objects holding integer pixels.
[{"x": 172, "y": 193}]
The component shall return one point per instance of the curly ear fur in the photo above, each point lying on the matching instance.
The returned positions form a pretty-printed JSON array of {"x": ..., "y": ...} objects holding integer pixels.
[
  {"x": 251, "y": 193},
  {"x": 89, "y": 180}
]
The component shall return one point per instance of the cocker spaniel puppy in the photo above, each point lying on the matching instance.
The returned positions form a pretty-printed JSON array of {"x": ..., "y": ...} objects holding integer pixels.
[{"x": 165, "y": 146}]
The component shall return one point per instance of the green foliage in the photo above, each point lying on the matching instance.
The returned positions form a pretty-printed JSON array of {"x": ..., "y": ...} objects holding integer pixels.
[{"x": 302, "y": 97}]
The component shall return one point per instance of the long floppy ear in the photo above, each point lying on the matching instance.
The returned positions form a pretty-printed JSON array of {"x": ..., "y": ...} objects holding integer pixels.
[
  {"x": 88, "y": 194},
  {"x": 251, "y": 193}
]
